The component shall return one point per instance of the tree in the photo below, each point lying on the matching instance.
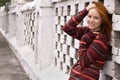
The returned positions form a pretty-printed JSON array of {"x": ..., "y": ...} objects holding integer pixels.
[{"x": 2, "y": 2}]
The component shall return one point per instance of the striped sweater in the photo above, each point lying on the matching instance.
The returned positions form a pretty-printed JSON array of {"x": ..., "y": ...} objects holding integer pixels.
[{"x": 93, "y": 49}]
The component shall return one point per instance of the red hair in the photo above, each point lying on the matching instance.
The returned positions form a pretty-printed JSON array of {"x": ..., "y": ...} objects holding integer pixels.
[{"x": 106, "y": 26}]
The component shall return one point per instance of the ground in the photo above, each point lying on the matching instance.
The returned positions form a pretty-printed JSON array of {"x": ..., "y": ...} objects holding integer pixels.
[{"x": 10, "y": 68}]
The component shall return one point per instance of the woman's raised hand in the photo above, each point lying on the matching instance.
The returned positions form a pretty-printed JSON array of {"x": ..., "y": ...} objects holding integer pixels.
[{"x": 90, "y": 6}]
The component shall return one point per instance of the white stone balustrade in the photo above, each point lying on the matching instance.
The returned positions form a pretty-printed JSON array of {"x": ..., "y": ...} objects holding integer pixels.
[{"x": 33, "y": 30}]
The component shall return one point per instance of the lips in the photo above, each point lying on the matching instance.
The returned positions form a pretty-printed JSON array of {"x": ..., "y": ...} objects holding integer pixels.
[{"x": 91, "y": 24}]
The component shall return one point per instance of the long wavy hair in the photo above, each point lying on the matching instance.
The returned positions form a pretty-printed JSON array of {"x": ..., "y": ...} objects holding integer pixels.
[{"x": 106, "y": 26}]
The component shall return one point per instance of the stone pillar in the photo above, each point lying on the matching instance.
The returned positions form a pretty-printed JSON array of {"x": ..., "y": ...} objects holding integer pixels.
[
  {"x": 117, "y": 71},
  {"x": 5, "y": 20},
  {"x": 117, "y": 7},
  {"x": 12, "y": 21},
  {"x": 20, "y": 26},
  {"x": 46, "y": 34}
]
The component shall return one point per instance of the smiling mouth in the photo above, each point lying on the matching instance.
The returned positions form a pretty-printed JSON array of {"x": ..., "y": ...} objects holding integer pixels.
[{"x": 91, "y": 24}]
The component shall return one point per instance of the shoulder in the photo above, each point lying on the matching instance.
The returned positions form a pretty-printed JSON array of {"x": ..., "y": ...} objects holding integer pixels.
[{"x": 103, "y": 38}]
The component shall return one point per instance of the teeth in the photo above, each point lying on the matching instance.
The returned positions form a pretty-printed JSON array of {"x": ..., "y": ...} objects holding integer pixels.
[{"x": 91, "y": 24}]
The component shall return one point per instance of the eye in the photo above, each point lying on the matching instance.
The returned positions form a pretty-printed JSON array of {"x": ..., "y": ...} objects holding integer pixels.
[
  {"x": 96, "y": 17},
  {"x": 89, "y": 16}
]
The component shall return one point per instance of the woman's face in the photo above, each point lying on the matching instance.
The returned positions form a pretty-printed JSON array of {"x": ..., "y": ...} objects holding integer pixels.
[{"x": 94, "y": 20}]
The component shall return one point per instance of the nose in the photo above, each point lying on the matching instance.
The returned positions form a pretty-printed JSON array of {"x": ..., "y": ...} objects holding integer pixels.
[{"x": 91, "y": 20}]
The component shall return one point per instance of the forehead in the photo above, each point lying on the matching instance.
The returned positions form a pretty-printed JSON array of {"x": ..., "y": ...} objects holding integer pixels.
[{"x": 94, "y": 12}]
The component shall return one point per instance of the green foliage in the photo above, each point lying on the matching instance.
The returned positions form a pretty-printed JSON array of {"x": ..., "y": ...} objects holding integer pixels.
[{"x": 2, "y": 2}]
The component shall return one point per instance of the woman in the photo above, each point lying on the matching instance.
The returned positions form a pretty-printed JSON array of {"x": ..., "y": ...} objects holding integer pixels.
[{"x": 94, "y": 41}]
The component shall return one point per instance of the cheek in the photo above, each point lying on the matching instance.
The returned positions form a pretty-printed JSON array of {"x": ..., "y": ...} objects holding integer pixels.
[{"x": 99, "y": 23}]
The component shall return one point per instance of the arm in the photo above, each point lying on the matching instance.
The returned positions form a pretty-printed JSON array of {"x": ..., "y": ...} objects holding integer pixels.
[
  {"x": 71, "y": 26},
  {"x": 93, "y": 50}
]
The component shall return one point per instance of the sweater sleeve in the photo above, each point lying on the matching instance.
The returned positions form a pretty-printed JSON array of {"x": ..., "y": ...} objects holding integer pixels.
[
  {"x": 94, "y": 53},
  {"x": 71, "y": 28}
]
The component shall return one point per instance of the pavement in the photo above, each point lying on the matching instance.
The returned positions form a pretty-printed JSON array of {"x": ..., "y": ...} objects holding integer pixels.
[{"x": 10, "y": 68}]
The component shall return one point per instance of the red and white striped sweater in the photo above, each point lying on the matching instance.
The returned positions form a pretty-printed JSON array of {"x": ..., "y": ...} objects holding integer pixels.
[{"x": 93, "y": 49}]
